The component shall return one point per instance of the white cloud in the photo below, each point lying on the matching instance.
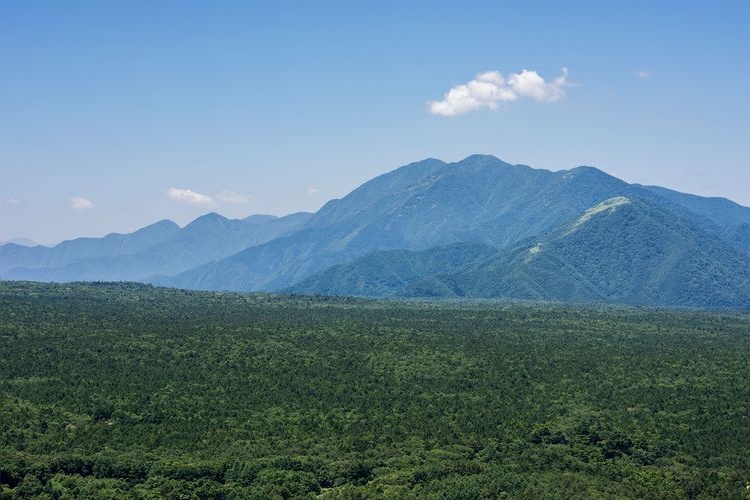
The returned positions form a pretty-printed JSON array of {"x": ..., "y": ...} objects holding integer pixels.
[
  {"x": 80, "y": 203},
  {"x": 312, "y": 191},
  {"x": 12, "y": 201},
  {"x": 234, "y": 198},
  {"x": 489, "y": 89},
  {"x": 189, "y": 197},
  {"x": 643, "y": 74},
  {"x": 530, "y": 84}
]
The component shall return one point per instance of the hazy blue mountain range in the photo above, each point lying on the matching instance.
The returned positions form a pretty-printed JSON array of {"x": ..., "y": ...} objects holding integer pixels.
[
  {"x": 24, "y": 242},
  {"x": 162, "y": 248},
  {"x": 434, "y": 228},
  {"x": 13, "y": 255}
]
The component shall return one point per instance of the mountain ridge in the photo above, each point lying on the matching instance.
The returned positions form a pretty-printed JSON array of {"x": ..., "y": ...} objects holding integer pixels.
[{"x": 425, "y": 205}]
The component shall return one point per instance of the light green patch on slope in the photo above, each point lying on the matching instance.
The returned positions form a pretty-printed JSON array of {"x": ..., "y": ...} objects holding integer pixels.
[
  {"x": 607, "y": 205},
  {"x": 533, "y": 251}
]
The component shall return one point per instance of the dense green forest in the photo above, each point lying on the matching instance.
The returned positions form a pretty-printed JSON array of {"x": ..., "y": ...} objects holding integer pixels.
[{"x": 111, "y": 391}]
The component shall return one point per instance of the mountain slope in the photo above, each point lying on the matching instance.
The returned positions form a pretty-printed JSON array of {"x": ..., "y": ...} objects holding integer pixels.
[
  {"x": 731, "y": 220},
  {"x": 721, "y": 211},
  {"x": 622, "y": 250},
  {"x": 385, "y": 273},
  {"x": 739, "y": 236}
]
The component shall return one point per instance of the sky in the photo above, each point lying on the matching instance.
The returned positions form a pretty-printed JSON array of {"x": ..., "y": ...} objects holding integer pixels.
[{"x": 114, "y": 115}]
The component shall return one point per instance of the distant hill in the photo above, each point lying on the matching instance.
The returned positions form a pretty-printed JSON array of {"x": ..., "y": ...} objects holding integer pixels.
[
  {"x": 112, "y": 245},
  {"x": 24, "y": 242},
  {"x": 139, "y": 257}
]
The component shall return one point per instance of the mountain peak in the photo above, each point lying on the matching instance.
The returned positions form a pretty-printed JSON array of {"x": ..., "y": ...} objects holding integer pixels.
[
  {"x": 163, "y": 224},
  {"x": 259, "y": 218},
  {"x": 209, "y": 217},
  {"x": 583, "y": 170},
  {"x": 482, "y": 159},
  {"x": 480, "y": 156},
  {"x": 212, "y": 215}
]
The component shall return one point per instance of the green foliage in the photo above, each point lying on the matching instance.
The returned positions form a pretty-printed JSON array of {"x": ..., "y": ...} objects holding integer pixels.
[{"x": 111, "y": 391}]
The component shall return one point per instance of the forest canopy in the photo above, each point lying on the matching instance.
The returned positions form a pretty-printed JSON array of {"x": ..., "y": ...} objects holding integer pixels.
[{"x": 112, "y": 390}]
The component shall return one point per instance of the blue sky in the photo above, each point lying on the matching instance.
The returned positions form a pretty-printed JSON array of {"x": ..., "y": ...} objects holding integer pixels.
[{"x": 118, "y": 114}]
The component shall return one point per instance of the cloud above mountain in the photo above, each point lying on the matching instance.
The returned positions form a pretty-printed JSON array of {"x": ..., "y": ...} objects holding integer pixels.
[
  {"x": 189, "y": 197},
  {"x": 233, "y": 198},
  {"x": 79, "y": 203},
  {"x": 489, "y": 89}
]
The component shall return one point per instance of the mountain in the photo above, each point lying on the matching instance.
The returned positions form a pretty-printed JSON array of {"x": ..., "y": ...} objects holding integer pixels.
[
  {"x": 480, "y": 199},
  {"x": 622, "y": 250},
  {"x": 207, "y": 238}
]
